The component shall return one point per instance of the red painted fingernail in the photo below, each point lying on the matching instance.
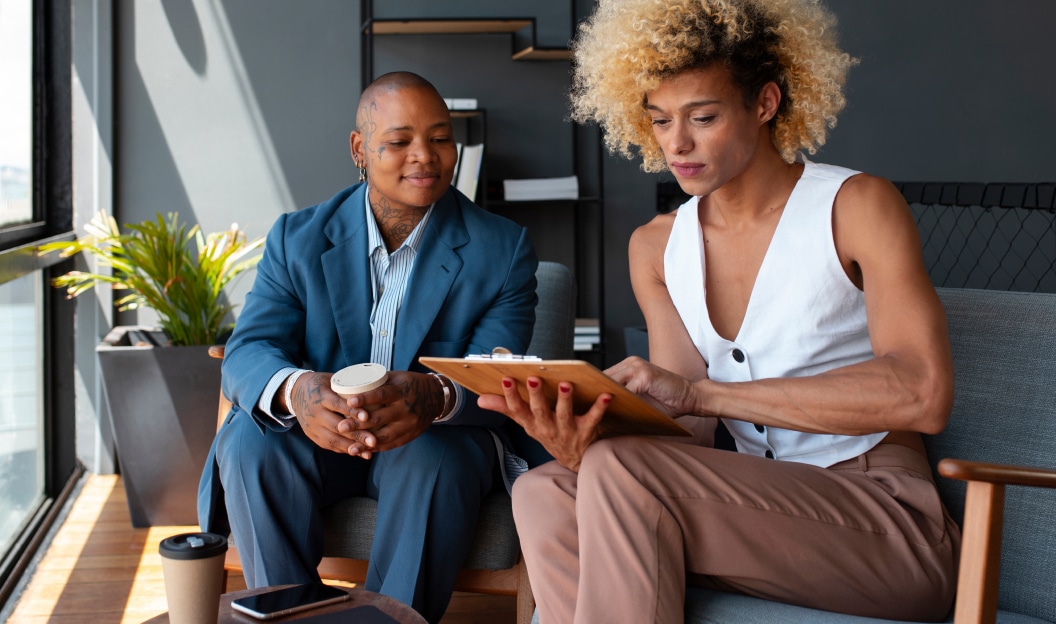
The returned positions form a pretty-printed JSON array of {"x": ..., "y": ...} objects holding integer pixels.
[
  {"x": 606, "y": 400},
  {"x": 506, "y": 383},
  {"x": 533, "y": 383},
  {"x": 565, "y": 389}
]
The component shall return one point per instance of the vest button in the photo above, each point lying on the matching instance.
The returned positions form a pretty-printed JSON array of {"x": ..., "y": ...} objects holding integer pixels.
[
  {"x": 760, "y": 428},
  {"x": 738, "y": 355},
  {"x": 769, "y": 454}
]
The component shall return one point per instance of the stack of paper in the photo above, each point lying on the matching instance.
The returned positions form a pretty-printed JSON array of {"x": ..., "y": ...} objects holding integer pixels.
[
  {"x": 469, "y": 169},
  {"x": 461, "y": 103},
  {"x": 586, "y": 335},
  {"x": 541, "y": 188}
]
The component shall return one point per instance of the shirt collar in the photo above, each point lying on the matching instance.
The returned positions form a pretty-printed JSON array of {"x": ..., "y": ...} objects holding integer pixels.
[{"x": 374, "y": 239}]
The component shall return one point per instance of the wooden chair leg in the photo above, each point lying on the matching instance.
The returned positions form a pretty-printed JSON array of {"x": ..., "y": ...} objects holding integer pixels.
[
  {"x": 984, "y": 510},
  {"x": 525, "y": 598}
]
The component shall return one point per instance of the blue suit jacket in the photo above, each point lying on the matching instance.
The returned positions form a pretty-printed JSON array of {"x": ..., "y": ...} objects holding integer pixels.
[{"x": 472, "y": 289}]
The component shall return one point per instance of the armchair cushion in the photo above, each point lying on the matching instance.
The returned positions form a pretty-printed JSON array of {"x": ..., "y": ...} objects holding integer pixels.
[{"x": 350, "y": 530}]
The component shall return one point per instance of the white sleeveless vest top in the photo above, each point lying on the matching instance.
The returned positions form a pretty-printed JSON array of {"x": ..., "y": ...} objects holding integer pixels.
[{"x": 804, "y": 315}]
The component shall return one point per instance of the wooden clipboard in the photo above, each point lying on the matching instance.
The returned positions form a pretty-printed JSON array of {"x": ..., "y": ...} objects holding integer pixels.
[{"x": 627, "y": 414}]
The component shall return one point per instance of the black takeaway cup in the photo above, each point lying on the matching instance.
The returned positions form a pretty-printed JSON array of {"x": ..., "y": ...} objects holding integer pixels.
[{"x": 193, "y": 567}]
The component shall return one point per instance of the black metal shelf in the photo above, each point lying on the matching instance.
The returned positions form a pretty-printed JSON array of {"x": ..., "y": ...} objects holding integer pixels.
[
  {"x": 588, "y": 209},
  {"x": 522, "y": 30}
]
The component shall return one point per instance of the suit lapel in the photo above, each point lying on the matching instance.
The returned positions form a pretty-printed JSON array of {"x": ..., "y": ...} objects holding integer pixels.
[
  {"x": 346, "y": 272},
  {"x": 435, "y": 268}
]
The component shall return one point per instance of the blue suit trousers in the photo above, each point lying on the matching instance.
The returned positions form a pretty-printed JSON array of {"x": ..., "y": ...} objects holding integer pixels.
[{"x": 429, "y": 491}]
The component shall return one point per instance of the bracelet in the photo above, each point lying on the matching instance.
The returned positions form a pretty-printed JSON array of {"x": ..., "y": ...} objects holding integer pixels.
[
  {"x": 447, "y": 397},
  {"x": 292, "y": 379}
]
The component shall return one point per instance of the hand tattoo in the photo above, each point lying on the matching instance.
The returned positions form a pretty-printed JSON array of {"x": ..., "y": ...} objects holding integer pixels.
[
  {"x": 421, "y": 399},
  {"x": 311, "y": 395}
]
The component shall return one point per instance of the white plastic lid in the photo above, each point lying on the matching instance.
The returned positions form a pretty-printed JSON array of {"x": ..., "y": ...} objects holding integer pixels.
[{"x": 358, "y": 378}]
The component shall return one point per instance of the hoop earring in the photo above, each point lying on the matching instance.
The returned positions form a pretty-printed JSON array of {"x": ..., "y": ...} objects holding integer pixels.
[{"x": 362, "y": 171}]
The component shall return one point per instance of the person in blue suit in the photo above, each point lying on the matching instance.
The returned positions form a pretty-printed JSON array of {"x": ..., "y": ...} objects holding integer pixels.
[{"x": 396, "y": 267}]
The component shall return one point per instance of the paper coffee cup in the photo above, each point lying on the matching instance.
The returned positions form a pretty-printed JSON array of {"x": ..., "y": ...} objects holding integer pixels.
[
  {"x": 358, "y": 378},
  {"x": 193, "y": 567}
]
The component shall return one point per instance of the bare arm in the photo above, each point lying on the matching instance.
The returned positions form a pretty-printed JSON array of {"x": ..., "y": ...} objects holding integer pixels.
[
  {"x": 907, "y": 386},
  {"x": 670, "y": 346}
]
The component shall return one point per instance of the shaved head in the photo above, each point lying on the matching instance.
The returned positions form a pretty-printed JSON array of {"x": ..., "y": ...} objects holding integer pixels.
[
  {"x": 405, "y": 145},
  {"x": 388, "y": 83}
]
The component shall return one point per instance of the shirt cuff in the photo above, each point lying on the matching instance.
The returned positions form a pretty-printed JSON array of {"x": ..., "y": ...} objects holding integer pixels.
[{"x": 268, "y": 396}]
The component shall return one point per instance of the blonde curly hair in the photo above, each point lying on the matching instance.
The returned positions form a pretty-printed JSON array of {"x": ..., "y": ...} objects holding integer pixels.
[{"x": 628, "y": 46}]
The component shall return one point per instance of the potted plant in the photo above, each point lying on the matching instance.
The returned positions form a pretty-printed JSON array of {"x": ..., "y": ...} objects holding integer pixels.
[{"x": 159, "y": 383}]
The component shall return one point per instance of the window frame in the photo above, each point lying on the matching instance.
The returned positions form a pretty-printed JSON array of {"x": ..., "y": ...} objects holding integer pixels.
[{"x": 52, "y": 200}]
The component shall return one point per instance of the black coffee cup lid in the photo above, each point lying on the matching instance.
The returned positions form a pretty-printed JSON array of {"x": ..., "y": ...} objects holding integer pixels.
[{"x": 193, "y": 546}]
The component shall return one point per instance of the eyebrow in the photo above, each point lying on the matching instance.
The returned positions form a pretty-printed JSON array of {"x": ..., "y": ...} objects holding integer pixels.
[
  {"x": 686, "y": 106},
  {"x": 441, "y": 124}
]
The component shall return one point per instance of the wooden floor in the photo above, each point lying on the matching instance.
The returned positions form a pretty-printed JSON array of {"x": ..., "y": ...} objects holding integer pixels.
[{"x": 100, "y": 570}]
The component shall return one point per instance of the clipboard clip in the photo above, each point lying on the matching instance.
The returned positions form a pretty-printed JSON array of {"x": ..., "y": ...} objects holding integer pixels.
[{"x": 502, "y": 353}]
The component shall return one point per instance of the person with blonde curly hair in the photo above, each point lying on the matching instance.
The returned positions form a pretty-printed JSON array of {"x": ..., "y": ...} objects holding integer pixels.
[{"x": 787, "y": 299}]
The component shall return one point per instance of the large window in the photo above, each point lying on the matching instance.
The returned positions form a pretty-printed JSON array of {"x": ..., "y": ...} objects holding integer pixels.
[
  {"x": 21, "y": 405},
  {"x": 16, "y": 112},
  {"x": 21, "y": 411},
  {"x": 37, "y": 456}
]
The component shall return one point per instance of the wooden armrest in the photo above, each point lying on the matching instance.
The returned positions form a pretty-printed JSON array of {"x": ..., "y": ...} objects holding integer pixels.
[
  {"x": 224, "y": 406},
  {"x": 965, "y": 470},
  {"x": 984, "y": 512}
]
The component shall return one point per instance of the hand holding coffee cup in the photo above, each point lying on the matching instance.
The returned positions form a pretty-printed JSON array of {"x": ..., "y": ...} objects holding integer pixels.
[{"x": 357, "y": 379}]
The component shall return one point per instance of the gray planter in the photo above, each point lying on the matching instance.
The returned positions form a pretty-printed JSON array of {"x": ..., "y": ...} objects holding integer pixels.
[{"x": 163, "y": 404}]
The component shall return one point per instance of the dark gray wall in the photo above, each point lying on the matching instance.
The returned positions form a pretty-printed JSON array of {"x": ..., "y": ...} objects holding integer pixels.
[
  {"x": 958, "y": 90},
  {"x": 232, "y": 110},
  {"x": 238, "y": 110}
]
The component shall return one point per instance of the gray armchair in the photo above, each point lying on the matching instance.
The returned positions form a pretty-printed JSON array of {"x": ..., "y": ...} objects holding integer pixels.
[{"x": 1004, "y": 359}]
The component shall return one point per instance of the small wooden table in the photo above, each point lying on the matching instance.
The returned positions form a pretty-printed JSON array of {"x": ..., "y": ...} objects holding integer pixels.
[{"x": 359, "y": 597}]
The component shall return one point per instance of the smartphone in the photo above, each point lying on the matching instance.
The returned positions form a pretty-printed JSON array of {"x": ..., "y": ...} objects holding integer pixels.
[{"x": 279, "y": 602}]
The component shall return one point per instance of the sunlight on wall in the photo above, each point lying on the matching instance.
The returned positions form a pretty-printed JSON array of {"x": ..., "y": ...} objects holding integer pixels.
[{"x": 207, "y": 111}]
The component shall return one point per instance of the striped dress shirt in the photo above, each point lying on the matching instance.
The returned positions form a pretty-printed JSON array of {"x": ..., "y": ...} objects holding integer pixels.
[{"x": 389, "y": 274}]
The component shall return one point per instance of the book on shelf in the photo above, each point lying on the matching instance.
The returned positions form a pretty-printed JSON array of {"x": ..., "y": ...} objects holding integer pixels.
[
  {"x": 461, "y": 103},
  {"x": 587, "y": 325},
  {"x": 586, "y": 334},
  {"x": 534, "y": 189},
  {"x": 469, "y": 169}
]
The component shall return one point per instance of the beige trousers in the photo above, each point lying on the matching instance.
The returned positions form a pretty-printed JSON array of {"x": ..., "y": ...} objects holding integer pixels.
[{"x": 868, "y": 536}]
